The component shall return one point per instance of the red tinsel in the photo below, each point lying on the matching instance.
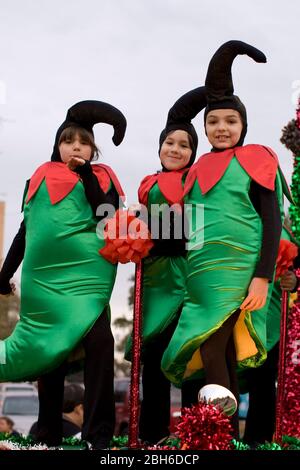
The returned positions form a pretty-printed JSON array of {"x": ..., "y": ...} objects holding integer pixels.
[
  {"x": 291, "y": 409},
  {"x": 136, "y": 359},
  {"x": 286, "y": 254},
  {"x": 127, "y": 238},
  {"x": 298, "y": 114},
  {"x": 161, "y": 448},
  {"x": 204, "y": 427}
]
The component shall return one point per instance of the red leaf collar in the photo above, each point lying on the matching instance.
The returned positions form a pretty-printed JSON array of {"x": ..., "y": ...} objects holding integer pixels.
[
  {"x": 169, "y": 183},
  {"x": 60, "y": 181},
  {"x": 259, "y": 162}
]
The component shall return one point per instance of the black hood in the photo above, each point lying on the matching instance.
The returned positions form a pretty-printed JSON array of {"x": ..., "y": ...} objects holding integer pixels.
[
  {"x": 86, "y": 114},
  {"x": 180, "y": 115}
]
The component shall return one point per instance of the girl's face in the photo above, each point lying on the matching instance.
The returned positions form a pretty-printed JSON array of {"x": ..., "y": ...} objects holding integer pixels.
[
  {"x": 223, "y": 128},
  {"x": 176, "y": 151},
  {"x": 76, "y": 147}
]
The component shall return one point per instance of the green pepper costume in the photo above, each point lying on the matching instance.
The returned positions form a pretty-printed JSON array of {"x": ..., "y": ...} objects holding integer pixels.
[
  {"x": 223, "y": 257},
  {"x": 66, "y": 283},
  {"x": 164, "y": 277}
]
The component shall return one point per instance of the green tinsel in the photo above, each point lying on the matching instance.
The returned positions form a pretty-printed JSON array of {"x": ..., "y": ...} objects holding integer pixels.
[
  {"x": 20, "y": 440},
  {"x": 291, "y": 443},
  {"x": 269, "y": 446},
  {"x": 239, "y": 445},
  {"x": 173, "y": 442},
  {"x": 291, "y": 139},
  {"x": 120, "y": 442},
  {"x": 73, "y": 443}
]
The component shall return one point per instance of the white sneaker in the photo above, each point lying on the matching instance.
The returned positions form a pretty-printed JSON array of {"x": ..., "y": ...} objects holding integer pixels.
[{"x": 219, "y": 396}]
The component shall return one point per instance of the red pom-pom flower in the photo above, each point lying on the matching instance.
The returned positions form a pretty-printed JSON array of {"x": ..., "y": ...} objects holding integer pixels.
[
  {"x": 204, "y": 427},
  {"x": 286, "y": 254},
  {"x": 127, "y": 238}
]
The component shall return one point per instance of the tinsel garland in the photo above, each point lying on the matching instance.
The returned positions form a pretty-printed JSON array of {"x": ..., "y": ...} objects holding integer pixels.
[
  {"x": 294, "y": 209},
  {"x": 291, "y": 139},
  {"x": 269, "y": 446},
  {"x": 134, "y": 400},
  {"x": 239, "y": 445},
  {"x": 291, "y": 408},
  {"x": 290, "y": 443},
  {"x": 20, "y": 440},
  {"x": 8, "y": 442},
  {"x": 121, "y": 443},
  {"x": 204, "y": 427}
]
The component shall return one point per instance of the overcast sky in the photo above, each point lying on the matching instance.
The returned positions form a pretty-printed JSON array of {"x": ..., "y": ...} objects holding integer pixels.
[{"x": 140, "y": 56}]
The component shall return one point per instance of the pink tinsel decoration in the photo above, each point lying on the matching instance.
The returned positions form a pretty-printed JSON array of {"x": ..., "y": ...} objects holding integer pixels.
[
  {"x": 136, "y": 359},
  {"x": 291, "y": 409},
  {"x": 204, "y": 427}
]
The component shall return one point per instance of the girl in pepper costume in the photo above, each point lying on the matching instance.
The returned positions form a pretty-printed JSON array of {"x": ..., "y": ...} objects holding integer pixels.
[
  {"x": 66, "y": 285},
  {"x": 261, "y": 381},
  {"x": 231, "y": 265},
  {"x": 164, "y": 273}
]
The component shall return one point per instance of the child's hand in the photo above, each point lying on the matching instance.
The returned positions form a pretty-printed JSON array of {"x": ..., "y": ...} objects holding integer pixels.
[
  {"x": 6, "y": 292},
  {"x": 74, "y": 162},
  {"x": 288, "y": 281},
  {"x": 257, "y": 294},
  {"x": 13, "y": 288}
]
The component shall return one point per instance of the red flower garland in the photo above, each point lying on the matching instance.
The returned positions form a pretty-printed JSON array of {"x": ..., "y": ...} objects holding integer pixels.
[
  {"x": 127, "y": 238},
  {"x": 286, "y": 254}
]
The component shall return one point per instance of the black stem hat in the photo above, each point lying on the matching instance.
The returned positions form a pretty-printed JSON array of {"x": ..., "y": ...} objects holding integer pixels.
[
  {"x": 86, "y": 114},
  {"x": 219, "y": 84},
  {"x": 180, "y": 115}
]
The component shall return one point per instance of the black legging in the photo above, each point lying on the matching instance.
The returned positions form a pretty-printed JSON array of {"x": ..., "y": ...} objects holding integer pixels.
[
  {"x": 155, "y": 408},
  {"x": 190, "y": 388},
  {"x": 261, "y": 382},
  {"x": 219, "y": 361},
  {"x": 99, "y": 405}
]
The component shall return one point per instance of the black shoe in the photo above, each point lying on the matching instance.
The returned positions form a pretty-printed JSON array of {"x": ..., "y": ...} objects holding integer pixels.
[{"x": 102, "y": 444}]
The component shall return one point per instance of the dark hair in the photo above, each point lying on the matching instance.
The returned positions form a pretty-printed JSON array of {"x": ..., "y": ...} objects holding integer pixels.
[
  {"x": 73, "y": 396},
  {"x": 8, "y": 420},
  {"x": 69, "y": 134},
  {"x": 191, "y": 141},
  {"x": 189, "y": 137}
]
